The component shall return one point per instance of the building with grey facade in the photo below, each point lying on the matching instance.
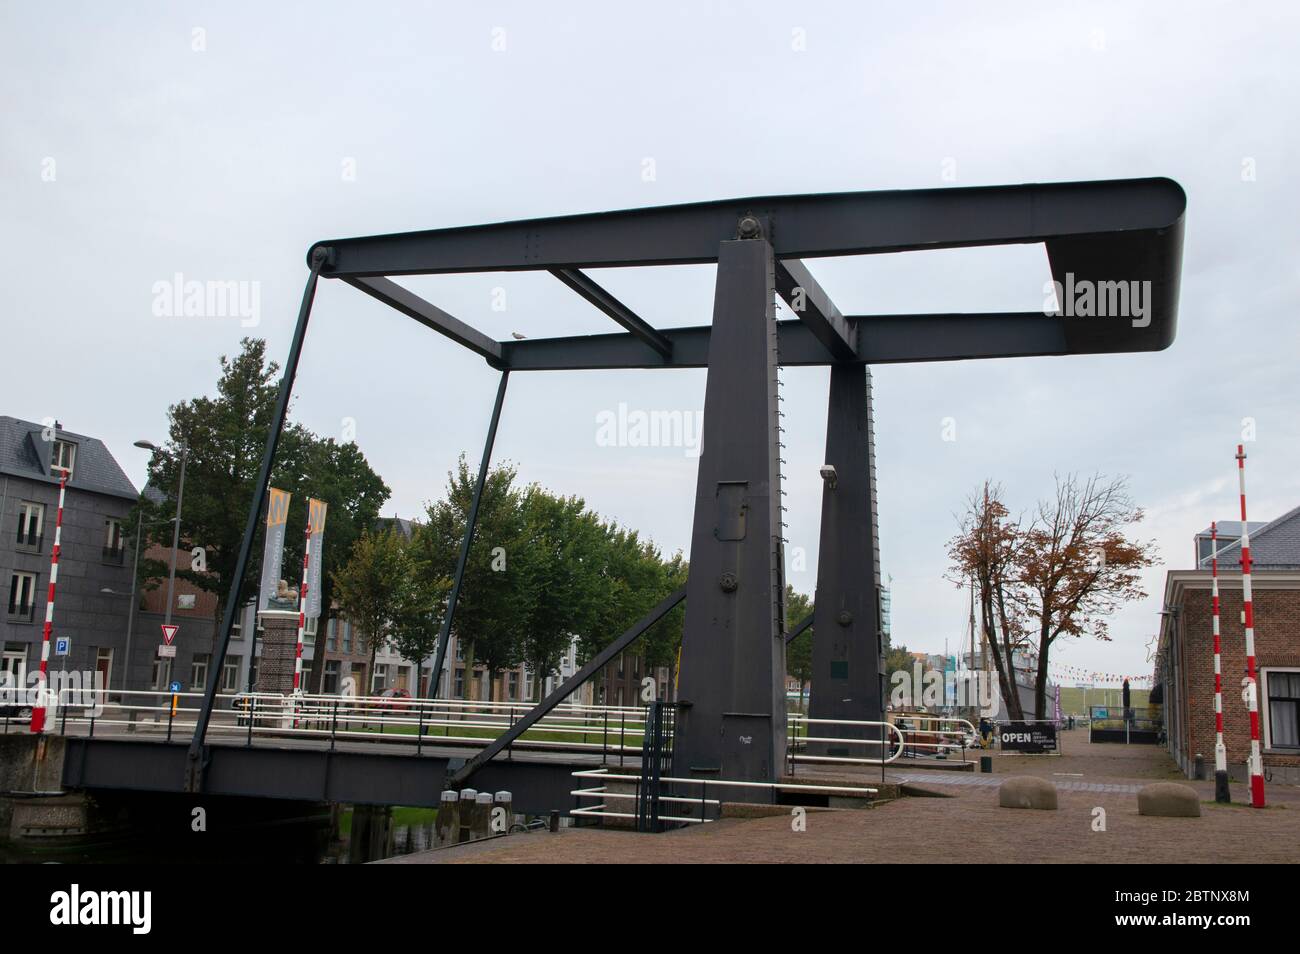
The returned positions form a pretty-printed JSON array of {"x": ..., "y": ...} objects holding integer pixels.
[{"x": 94, "y": 561}]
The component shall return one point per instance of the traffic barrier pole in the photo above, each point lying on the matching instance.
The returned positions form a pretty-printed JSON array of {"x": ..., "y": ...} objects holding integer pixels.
[
  {"x": 38, "y": 710},
  {"x": 302, "y": 626},
  {"x": 1256, "y": 764},
  {"x": 1220, "y": 751}
]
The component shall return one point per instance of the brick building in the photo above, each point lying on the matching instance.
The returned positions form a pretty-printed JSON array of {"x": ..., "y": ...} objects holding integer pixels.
[{"x": 1184, "y": 676}]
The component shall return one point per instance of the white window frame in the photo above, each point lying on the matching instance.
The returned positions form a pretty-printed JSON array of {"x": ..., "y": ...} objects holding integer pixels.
[
  {"x": 203, "y": 661},
  {"x": 27, "y": 511},
  {"x": 230, "y": 674},
  {"x": 31, "y": 591},
  {"x": 1265, "y": 716},
  {"x": 57, "y": 458}
]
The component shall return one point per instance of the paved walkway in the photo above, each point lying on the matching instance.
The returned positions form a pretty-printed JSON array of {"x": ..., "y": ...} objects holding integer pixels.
[
  {"x": 949, "y": 779},
  {"x": 969, "y": 826}
]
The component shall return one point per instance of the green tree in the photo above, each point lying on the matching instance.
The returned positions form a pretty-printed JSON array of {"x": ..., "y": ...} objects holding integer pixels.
[
  {"x": 492, "y": 609},
  {"x": 225, "y": 437},
  {"x": 798, "y": 652},
  {"x": 376, "y": 589},
  {"x": 898, "y": 659},
  {"x": 560, "y": 562}
]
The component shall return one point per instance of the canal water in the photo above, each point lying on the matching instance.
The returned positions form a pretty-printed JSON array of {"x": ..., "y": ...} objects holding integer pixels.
[{"x": 312, "y": 839}]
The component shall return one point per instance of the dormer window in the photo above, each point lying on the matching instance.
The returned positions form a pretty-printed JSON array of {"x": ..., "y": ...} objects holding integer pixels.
[{"x": 63, "y": 457}]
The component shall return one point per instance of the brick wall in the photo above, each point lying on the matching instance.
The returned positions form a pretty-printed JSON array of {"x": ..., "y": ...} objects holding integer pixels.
[{"x": 1277, "y": 643}]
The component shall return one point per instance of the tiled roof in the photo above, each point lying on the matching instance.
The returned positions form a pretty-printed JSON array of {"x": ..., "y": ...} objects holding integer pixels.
[
  {"x": 1274, "y": 546},
  {"x": 25, "y": 453},
  {"x": 1231, "y": 529}
]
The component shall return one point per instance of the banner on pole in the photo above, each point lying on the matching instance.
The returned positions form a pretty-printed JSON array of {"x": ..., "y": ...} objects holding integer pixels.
[
  {"x": 316, "y": 520},
  {"x": 273, "y": 596}
]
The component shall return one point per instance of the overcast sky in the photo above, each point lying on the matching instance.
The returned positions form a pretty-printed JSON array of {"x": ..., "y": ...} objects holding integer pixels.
[{"x": 218, "y": 141}]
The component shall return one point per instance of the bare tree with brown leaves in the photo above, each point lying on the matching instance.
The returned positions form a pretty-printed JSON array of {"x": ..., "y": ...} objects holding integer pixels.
[
  {"x": 1063, "y": 574},
  {"x": 986, "y": 550},
  {"x": 1077, "y": 566}
]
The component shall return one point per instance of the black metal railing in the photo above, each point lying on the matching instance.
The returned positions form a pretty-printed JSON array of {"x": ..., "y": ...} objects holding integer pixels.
[{"x": 656, "y": 762}]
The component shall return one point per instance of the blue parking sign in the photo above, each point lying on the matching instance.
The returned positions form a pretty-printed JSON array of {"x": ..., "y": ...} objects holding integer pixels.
[{"x": 62, "y": 645}]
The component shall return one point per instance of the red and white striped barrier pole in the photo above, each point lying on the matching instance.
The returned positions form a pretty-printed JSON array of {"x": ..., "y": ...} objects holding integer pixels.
[
  {"x": 1256, "y": 764},
  {"x": 1220, "y": 751},
  {"x": 302, "y": 625},
  {"x": 38, "y": 710}
]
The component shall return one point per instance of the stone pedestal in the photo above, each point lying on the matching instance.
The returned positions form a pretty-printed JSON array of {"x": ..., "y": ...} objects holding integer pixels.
[{"x": 279, "y": 643}]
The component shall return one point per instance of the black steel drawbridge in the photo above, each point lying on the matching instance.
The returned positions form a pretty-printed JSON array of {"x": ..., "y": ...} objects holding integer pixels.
[{"x": 732, "y": 723}]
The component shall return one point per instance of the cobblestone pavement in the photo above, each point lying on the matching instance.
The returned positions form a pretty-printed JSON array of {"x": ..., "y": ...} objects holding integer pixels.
[
  {"x": 942, "y": 780},
  {"x": 968, "y": 826}
]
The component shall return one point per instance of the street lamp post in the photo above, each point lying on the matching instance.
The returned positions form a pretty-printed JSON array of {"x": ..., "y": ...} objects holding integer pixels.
[{"x": 165, "y": 680}]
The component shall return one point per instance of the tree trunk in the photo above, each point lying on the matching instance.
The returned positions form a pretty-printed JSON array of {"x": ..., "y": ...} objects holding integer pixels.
[
  {"x": 1040, "y": 682},
  {"x": 1004, "y": 665},
  {"x": 470, "y": 690}
]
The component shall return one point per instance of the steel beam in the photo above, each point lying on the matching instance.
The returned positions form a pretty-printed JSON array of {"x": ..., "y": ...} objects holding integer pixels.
[
  {"x": 804, "y": 226},
  {"x": 430, "y": 315},
  {"x": 732, "y": 681},
  {"x": 471, "y": 524},
  {"x": 611, "y": 306},
  {"x": 882, "y": 339},
  {"x": 194, "y": 762},
  {"x": 565, "y": 689},
  {"x": 809, "y": 301},
  {"x": 846, "y": 656},
  {"x": 800, "y": 629}
]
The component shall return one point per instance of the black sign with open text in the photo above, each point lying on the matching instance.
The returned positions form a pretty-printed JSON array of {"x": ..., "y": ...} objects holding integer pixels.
[{"x": 1028, "y": 736}]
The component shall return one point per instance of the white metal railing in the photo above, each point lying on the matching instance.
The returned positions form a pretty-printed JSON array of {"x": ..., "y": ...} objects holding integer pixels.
[
  {"x": 609, "y": 730},
  {"x": 941, "y": 734},
  {"x": 602, "y": 792}
]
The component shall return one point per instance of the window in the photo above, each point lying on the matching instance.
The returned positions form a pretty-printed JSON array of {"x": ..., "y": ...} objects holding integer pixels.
[
  {"x": 331, "y": 686},
  {"x": 460, "y": 684},
  {"x": 64, "y": 456},
  {"x": 332, "y": 634},
  {"x": 347, "y": 636},
  {"x": 230, "y": 674},
  {"x": 381, "y": 677},
  {"x": 460, "y": 652},
  {"x": 31, "y": 524},
  {"x": 309, "y": 628},
  {"x": 1283, "y": 708},
  {"x": 512, "y": 685},
  {"x": 113, "y": 546},
  {"x": 22, "y": 596},
  {"x": 14, "y": 664},
  {"x": 199, "y": 670}
]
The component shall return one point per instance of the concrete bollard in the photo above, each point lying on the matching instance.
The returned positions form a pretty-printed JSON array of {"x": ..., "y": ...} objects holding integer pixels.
[
  {"x": 1027, "y": 791},
  {"x": 1198, "y": 772},
  {"x": 986, "y": 764},
  {"x": 482, "y": 815},
  {"x": 555, "y": 821},
  {"x": 1169, "y": 799},
  {"x": 502, "y": 820},
  {"x": 465, "y": 815},
  {"x": 447, "y": 825}
]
